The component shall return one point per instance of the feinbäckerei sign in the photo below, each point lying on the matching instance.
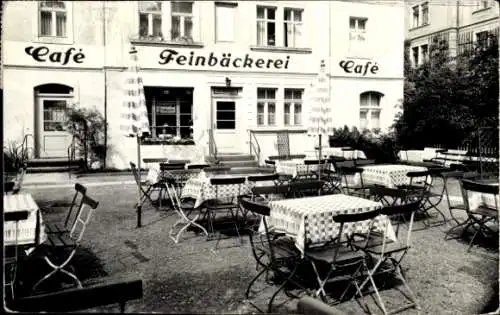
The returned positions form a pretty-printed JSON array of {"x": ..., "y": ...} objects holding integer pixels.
[{"x": 224, "y": 60}]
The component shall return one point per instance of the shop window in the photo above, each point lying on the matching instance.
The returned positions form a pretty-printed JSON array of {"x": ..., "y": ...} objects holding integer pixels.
[
  {"x": 292, "y": 27},
  {"x": 150, "y": 20},
  {"x": 415, "y": 56},
  {"x": 224, "y": 21},
  {"x": 369, "y": 113},
  {"x": 357, "y": 34},
  {"x": 182, "y": 20},
  {"x": 266, "y": 26},
  {"x": 266, "y": 107},
  {"x": 53, "y": 19},
  {"x": 293, "y": 107},
  {"x": 170, "y": 112}
]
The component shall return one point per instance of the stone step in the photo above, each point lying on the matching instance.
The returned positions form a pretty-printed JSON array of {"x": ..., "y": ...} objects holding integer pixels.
[
  {"x": 51, "y": 169},
  {"x": 53, "y": 162}
]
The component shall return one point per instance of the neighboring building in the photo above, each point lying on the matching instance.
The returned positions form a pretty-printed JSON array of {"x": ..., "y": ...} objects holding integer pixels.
[
  {"x": 462, "y": 24},
  {"x": 223, "y": 68}
]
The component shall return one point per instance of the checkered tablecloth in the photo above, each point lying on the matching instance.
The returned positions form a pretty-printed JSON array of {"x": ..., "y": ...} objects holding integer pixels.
[
  {"x": 309, "y": 220},
  {"x": 27, "y": 228},
  {"x": 389, "y": 175},
  {"x": 155, "y": 174},
  {"x": 337, "y": 151},
  {"x": 295, "y": 168},
  {"x": 200, "y": 189}
]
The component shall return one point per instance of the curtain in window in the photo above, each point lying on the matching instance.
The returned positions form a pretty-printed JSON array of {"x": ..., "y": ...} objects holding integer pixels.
[
  {"x": 176, "y": 27},
  {"x": 45, "y": 23},
  {"x": 156, "y": 25},
  {"x": 188, "y": 27},
  {"x": 60, "y": 23},
  {"x": 261, "y": 35},
  {"x": 271, "y": 114},
  {"x": 297, "y": 115},
  {"x": 143, "y": 24},
  {"x": 363, "y": 120}
]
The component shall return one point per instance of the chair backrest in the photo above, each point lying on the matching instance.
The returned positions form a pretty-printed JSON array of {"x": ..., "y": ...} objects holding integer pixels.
[
  {"x": 356, "y": 217},
  {"x": 262, "y": 178},
  {"x": 155, "y": 160},
  {"x": 315, "y": 162},
  {"x": 402, "y": 210},
  {"x": 309, "y": 187},
  {"x": 11, "y": 216},
  {"x": 424, "y": 175},
  {"x": 172, "y": 166},
  {"x": 255, "y": 207},
  {"x": 83, "y": 218},
  {"x": 80, "y": 190},
  {"x": 197, "y": 166},
  {"x": 380, "y": 193},
  {"x": 345, "y": 163},
  {"x": 270, "y": 162},
  {"x": 227, "y": 180},
  {"x": 135, "y": 171},
  {"x": 470, "y": 185},
  {"x": 364, "y": 162}
]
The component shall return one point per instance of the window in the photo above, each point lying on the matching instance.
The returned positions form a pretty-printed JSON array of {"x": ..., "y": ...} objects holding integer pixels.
[
  {"x": 266, "y": 26},
  {"x": 150, "y": 19},
  {"x": 54, "y": 100},
  {"x": 182, "y": 20},
  {"x": 415, "y": 56},
  {"x": 292, "y": 27},
  {"x": 293, "y": 107},
  {"x": 266, "y": 107},
  {"x": 53, "y": 19},
  {"x": 416, "y": 16},
  {"x": 425, "y": 13},
  {"x": 482, "y": 40},
  {"x": 424, "y": 50},
  {"x": 224, "y": 22},
  {"x": 357, "y": 30},
  {"x": 170, "y": 111},
  {"x": 225, "y": 115},
  {"x": 482, "y": 4},
  {"x": 369, "y": 114}
]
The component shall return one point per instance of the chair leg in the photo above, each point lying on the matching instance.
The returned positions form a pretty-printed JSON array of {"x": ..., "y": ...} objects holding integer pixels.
[
  {"x": 281, "y": 287},
  {"x": 466, "y": 223},
  {"x": 58, "y": 268},
  {"x": 247, "y": 293}
]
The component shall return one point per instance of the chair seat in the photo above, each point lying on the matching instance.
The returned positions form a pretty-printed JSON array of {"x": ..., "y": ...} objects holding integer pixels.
[
  {"x": 485, "y": 211},
  {"x": 283, "y": 247},
  {"x": 327, "y": 255},
  {"x": 55, "y": 227},
  {"x": 60, "y": 240},
  {"x": 219, "y": 204},
  {"x": 390, "y": 247}
]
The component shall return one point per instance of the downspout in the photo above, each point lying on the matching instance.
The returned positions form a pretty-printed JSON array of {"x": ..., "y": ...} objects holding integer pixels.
[
  {"x": 457, "y": 28},
  {"x": 105, "y": 84}
]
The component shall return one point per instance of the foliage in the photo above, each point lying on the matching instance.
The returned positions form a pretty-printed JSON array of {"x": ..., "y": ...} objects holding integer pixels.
[
  {"x": 446, "y": 100},
  {"x": 376, "y": 145},
  {"x": 14, "y": 157},
  {"x": 87, "y": 127}
]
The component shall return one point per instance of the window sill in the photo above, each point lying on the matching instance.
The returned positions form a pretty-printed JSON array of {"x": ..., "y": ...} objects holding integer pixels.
[
  {"x": 419, "y": 27},
  {"x": 159, "y": 42},
  {"x": 282, "y": 49},
  {"x": 272, "y": 129},
  {"x": 156, "y": 141},
  {"x": 53, "y": 40},
  {"x": 481, "y": 10}
]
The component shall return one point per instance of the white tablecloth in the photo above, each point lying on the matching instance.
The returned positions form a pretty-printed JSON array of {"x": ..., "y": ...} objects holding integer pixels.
[
  {"x": 337, "y": 151},
  {"x": 389, "y": 175},
  {"x": 294, "y": 167},
  {"x": 309, "y": 220},
  {"x": 26, "y": 228}
]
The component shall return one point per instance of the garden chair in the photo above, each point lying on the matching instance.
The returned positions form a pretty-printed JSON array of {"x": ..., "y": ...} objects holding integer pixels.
[
  {"x": 389, "y": 255},
  {"x": 304, "y": 188},
  {"x": 66, "y": 243},
  {"x": 76, "y": 202},
  {"x": 197, "y": 166},
  {"x": 483, "y": 214},
  {"x": 172, "y": 166},
  {"x": 352, "y": 181},
  {"x": 147, "y": 187},
  {"x": 274, "y": 253},
  {"x": 227, "y": 191},
  {"x": 264, "y": 178},
  {"x": 271, "y": 164},
  {"x": 338, "y": 260},
  {"x": 11, "y": 252},
  {"x": 388, "y": 196},
  {"x": 270, "y": 192},
  {"x": 309, "y": 172},
  {"x": 183, "y": 208}
]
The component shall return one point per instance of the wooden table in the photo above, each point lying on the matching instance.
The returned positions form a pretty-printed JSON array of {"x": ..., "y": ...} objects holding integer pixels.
[{"x": 30, "y": 231}]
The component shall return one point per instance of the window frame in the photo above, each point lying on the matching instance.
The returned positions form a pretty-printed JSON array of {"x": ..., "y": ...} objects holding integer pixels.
[
  {"x": 482, "y": 5},
  {"x": 266, "y": 101},
  {"x": 293, "y": 103},
  {"x": 415, "y": 9},
  {"x": 265, "y": 21},
  {"x": 150, "y": 15},
  {"x": 182, "y": 16},
  {"x": 293, "y": 24},
  {"x": 424, "y": 53},
  {"x": 415, "y": 52},
  {"x": 67, "y": 38},
  {"x": 370, "y": 108},
  {"x": 356, "y": 45}
]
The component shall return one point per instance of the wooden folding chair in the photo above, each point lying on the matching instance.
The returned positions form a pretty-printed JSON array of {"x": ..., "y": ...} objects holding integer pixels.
[
  {"x": 388, "y": 255},
  {"x": 307, "y": 187},
  {"x": 11, "y": 252},
  {"x": 480, "y": 216},
  {"x": 264, "y": 178},
  {"x": 67, "y": 243},
  {"x": 146, "y": 187},
  {"x": 349, "y": 184},
  {"x": 76, "y": 202},
  {"x": 274, "y": 253}
]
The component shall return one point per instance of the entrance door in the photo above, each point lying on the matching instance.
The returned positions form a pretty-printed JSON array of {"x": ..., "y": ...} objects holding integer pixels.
[
  {"x": 53, "y": 139},
  {"x": 225, "y": 125}
]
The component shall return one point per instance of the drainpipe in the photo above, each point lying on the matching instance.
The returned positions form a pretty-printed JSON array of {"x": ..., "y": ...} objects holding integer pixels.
[
  {"x": 457, "y": 28},
  {"x": 105, "y": 84}
]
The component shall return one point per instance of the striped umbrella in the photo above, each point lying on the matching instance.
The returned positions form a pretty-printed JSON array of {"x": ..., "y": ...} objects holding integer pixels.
[
  {"x": 134, "y": 116},
  {"x": 320, "y": 117}
]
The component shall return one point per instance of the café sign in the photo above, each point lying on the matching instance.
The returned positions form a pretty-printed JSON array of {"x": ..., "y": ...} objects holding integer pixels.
[
  {"x": 350, "y": 66},
  {"x": 224, "y": 60},
  {"x": 44, "y": 54}
]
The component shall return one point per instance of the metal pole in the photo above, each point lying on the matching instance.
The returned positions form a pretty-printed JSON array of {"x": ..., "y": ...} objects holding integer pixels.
[
  {"x": 105, "y": 84},
  {"x": 139, "y": 206}
]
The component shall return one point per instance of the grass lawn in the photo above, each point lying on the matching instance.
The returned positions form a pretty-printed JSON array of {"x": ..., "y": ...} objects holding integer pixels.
[{"x": 189, "y": 278}]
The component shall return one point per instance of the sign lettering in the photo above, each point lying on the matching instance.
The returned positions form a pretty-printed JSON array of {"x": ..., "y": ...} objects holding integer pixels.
[
  {"x": 43, "y": 54},
  {"x": 349, "y": 66},
  {"x": 226, "y": 60}
]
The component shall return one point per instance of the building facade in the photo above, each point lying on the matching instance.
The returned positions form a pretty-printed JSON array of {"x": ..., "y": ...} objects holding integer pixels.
[
  {"x": 462, "y": 24},
  {"x": 214, "y": 73}
]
